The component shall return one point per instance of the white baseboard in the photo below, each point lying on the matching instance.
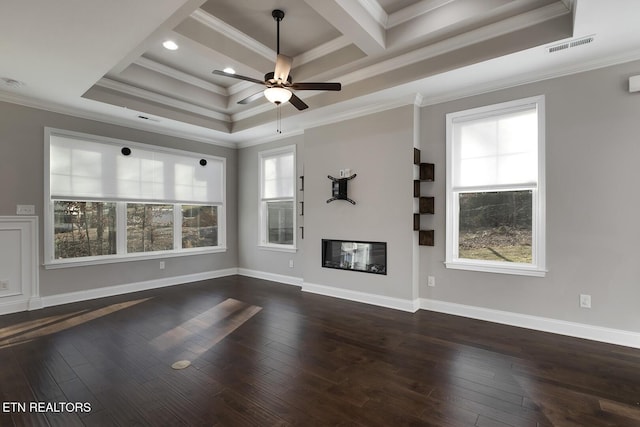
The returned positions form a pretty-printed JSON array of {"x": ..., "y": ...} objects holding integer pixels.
[
  {"x": 367, "y": 298},
  {"x": 561, "y": 327},
  {"x": 66, "y": 298},
  {"x": 287, "y": 280},
  {"x": 13, "y": 306}
]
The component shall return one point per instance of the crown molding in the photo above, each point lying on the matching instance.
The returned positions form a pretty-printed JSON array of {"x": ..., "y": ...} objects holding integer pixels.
[
  {"x": 233, "y": 33},
  {"x": 101, "y": 117},
  {"x": 270, "y": 138},
  {"x": 162, "y": 99},
  {"x": 179, "y": 75},
  {"x": 533, "y": 77}
]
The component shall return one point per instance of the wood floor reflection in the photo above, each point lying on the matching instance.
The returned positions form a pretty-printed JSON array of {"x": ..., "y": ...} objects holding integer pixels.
[{"x": 266, "y": 354}]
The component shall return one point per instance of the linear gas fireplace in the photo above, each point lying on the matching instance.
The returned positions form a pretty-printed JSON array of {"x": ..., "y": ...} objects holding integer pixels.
[{"x": 368, "y": 257}]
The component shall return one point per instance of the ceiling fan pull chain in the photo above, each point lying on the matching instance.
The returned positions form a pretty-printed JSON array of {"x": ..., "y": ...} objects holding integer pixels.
[{"x": 278, "y": 119}]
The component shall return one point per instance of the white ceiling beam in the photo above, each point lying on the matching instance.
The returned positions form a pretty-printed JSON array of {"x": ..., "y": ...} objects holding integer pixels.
[
  {"x": 179, "y": 75},
  {"x": 437, "y": 16},
  {"x": 413, "y": 11},
  {"x": 376, "y": 11},
  {"x": 233, "y": 33},
  {"x": 161, "y": 99},
  {"x": 354, "y": 21}
]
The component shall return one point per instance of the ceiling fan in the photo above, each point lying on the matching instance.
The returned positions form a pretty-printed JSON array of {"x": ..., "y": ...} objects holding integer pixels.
[{"x": 279, "y": 82}]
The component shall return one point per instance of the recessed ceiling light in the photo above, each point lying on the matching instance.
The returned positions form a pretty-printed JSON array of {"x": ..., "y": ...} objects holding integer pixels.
[
  {"x": 229, "y": 70},
  {"x": 170, "y": 44}
]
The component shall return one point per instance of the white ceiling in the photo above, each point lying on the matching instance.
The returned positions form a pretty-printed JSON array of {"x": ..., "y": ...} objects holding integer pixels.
[{"x": 104, "y": 60}]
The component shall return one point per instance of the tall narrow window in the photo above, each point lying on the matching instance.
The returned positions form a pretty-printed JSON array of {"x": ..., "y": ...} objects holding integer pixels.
[
  {"x": 277, "y": 198},
  {"x": 495, "y": 188}
]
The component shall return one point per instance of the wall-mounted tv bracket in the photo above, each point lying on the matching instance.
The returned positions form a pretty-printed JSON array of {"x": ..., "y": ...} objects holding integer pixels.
[{"x": 339, "y": 188}]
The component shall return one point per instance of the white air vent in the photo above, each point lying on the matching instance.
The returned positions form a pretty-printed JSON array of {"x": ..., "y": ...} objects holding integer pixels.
[{"x": 570, "y": 44}]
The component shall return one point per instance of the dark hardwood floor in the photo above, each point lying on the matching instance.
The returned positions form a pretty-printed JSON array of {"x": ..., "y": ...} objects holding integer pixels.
[{"x": 266, "y": 354}]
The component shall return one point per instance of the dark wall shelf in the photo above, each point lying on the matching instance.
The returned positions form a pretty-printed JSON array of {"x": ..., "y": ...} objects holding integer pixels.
[
  {"x": 301, "y": 212},
  {"x": 427, "y": 172},
  {"x": 426, "y": 204},
  {"x": 425, "y": 238}
]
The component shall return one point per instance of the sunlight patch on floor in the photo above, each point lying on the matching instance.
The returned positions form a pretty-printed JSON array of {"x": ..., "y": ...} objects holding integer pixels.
[
  {"x": 29, "y": 330},
  {"x": 212, "y": 325}
]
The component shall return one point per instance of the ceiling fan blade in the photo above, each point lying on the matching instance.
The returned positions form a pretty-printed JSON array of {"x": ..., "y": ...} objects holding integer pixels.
[
  {"x": 297, "y": 102},
  {"x": 316, "y": 86},
  {"x": 251, "y": 98},
  {"x": 238, "y": 76},
  {"x": 283, "y": 66}
]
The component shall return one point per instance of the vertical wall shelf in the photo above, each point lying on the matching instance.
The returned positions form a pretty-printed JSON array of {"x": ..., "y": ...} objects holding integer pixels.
[
  {"x": 302, "y": 206},
  {"x": 426, "y": 204}
]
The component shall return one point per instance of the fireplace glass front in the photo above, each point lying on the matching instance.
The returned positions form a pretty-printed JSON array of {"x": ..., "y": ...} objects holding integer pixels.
[{"x": 368, "y": 257}]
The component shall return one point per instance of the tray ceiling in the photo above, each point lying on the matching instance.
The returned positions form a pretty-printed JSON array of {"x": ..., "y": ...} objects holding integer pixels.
[{"x": 107, "y": 57}]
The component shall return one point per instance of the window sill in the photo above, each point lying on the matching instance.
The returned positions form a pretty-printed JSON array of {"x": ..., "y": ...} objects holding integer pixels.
[
  {"x": 111, "y": 259},
  {"x": 278, "y": 248},
  {"x": 516, "y": 269}
]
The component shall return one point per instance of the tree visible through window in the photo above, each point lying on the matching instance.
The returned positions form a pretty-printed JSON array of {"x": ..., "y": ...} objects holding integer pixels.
[
  {"x": 199, "y": 226},
  {"x": 495, "y": 188},
  {"x": 496, "y": 226},
  {"x": 84, "y": 229},
  {"x": 149, "y": 227}
]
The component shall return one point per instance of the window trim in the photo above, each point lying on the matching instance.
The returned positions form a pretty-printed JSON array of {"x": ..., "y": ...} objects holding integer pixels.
[
  {"x": 262, "y": 211},
  {"x": 538, "y": 266},
  {"x": 50, "y": 262}
]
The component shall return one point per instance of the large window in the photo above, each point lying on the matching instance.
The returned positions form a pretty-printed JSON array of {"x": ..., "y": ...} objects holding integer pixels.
[
  {"x": 495, "y": 188},
  {"x": 109, "y": 200},
  {"x": 277, "y": 198}
]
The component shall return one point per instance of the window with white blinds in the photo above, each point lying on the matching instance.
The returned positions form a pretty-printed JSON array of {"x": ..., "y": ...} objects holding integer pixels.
[
  {"x": 278, "y": 175},
  {"x": 500, "y": 149},
  {"x": 495, "y": 188},
  {"x": 112, "y": 200},
  {"x": 86, "y": 169},
  {"x": 277, "y": 198}
]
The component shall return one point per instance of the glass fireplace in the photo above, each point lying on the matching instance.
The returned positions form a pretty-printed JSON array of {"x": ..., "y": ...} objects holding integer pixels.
[{"x": 368, "y": 257}]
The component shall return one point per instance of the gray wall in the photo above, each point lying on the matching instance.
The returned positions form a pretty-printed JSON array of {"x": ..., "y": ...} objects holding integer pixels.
[
  {"x": 22, "y": 182},
  {"x": 250, "y": 256},
  {"x": 592, "y": 202},
  {"x": 592, "y": 152},
  {"x": 379, "y": 149}
]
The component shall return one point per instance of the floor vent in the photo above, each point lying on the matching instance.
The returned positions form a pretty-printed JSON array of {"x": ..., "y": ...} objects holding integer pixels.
[{"x": 570, "y": 44}]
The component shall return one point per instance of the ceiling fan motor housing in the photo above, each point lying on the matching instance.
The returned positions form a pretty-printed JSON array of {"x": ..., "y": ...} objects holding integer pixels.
[{"x": 270, "y": 79}]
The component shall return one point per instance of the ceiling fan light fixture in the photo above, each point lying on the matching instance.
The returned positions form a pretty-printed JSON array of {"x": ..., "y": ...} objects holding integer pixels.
[
  {"x": 277, "y": 95},
  {"x": 229, "y": 70}
]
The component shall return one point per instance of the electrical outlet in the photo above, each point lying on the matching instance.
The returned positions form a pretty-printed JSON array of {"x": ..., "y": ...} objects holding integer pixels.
[
  {"x": 290, "y": 263},
  {"x": 431, "y": 281},
  {"x": 4, "y": 285},
  {"x": 585, "y": 301},
  {"x": 161, "y": 265}
]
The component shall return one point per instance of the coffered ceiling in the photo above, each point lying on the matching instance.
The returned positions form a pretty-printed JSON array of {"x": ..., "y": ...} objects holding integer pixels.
[{"x": 105, "y": 60}]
